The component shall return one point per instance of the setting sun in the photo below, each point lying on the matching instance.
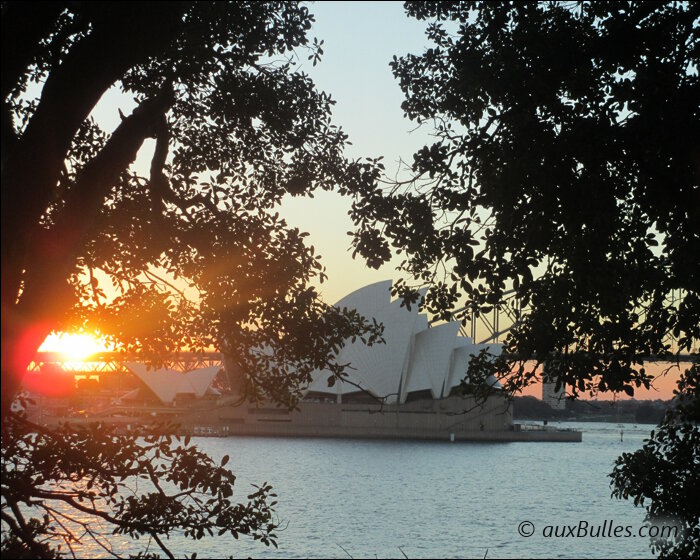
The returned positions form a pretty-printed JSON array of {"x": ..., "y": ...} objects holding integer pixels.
[{"x": 74, "y": 347}]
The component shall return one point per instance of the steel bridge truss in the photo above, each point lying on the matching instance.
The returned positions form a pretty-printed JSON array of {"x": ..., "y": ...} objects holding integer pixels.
[{"x": 492, "y": 326}]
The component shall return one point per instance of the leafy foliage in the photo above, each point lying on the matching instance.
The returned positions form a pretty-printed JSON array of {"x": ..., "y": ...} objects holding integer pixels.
[
  {"x": 663, "y": 474},
  {"x": 190, "y": 255},
  {"x": 97, "y": 483},
  {"x": 193, "y": 254},
  {"x": 565, "y": 168}
]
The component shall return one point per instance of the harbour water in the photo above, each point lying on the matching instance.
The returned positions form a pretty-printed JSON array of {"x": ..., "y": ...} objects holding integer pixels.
[{"x": 365, "y": 498}]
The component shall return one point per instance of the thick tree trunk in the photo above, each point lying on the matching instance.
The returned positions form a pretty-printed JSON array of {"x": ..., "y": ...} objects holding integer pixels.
[
  {"x": 36, "y": 263},
  {"x": 24, "y": 25},
  {"x": 123, "y": 36},
  {"x": 19, "y": 346}
]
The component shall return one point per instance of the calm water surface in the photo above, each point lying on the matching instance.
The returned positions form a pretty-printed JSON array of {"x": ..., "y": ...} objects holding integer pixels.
[{"x": 360, "y": 498}]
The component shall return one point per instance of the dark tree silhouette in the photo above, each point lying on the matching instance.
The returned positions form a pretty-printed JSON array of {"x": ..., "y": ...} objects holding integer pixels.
[
  {"x": 565, "y": 167},
  {"x": 190, "y": 256}
]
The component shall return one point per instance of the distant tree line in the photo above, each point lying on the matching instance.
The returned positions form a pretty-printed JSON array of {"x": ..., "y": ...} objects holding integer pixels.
[{"x": 632, "y": 410}]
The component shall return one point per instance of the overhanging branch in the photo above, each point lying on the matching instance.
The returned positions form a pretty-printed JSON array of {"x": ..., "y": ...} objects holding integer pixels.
[
  {"x": 31, "y": 171},
  {"x": 46, "y": 295}
]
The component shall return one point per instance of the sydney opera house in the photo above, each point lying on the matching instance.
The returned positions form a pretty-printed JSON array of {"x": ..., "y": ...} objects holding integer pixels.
[
  {"x": 404, "y": 388},
  {"x": 417, "y": 361}
]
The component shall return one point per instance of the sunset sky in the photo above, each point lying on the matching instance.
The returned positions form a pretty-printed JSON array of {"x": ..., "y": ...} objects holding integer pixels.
[
  {"x": 369, "y": 110},
  {"x": 360, "y": 39}
]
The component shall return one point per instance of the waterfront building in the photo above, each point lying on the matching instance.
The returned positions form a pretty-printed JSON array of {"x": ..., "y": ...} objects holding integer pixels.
[
  {"x": 417, "y": 360},
  {"x": 407, "y": 387},
  {"x": 555, "y": 399}
]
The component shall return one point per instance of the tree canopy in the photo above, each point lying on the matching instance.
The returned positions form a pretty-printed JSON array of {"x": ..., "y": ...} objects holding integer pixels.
[
  {"x": 189, "y": 255},
  {"x": 90, "y": 243},
  {"x": 565, "y": 167}
]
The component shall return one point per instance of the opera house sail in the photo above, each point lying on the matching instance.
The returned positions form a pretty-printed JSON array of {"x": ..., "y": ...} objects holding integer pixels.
[{"x": 404, "y": 388}]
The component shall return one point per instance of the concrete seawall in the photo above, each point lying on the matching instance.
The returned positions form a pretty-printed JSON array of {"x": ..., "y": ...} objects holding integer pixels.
[
  {"x": 394, "y": 434},
  {"x": 449, "y": 419}
]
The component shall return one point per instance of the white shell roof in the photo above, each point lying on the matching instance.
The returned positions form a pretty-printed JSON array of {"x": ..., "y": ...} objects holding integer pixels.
[
  {"x": 460, "y": 362},
  {"x": 421, "y": 323},
  {"x": 377, "y": 368},
  {"x": 496, "y": 350},
  {"x": 369, "y": 299},
  {"x": 366, "y": 301},
  {"x": 381, "y": 364},
  {"x": 430, "y": 363},
  {"x": 166, "y": 383},
  {"x": 415, "y": 357}
]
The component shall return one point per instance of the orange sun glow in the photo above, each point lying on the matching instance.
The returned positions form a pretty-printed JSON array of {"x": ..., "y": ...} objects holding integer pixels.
[{"x": 74, "y": 347}]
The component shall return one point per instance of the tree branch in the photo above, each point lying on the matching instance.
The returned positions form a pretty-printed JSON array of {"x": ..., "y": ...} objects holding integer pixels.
[
  {"x": 47, "y": 295},
  {"x": 70, "y": 93},
  {"x": 25, "y": 533},
  {"x": 24, "y": 24},
  {"x": 161, "y": 545},
  {"x": 158, "y": 182}
]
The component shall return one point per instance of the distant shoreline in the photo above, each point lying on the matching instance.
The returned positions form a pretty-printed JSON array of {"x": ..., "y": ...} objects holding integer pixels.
[{"x": 595, "y": 420}]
